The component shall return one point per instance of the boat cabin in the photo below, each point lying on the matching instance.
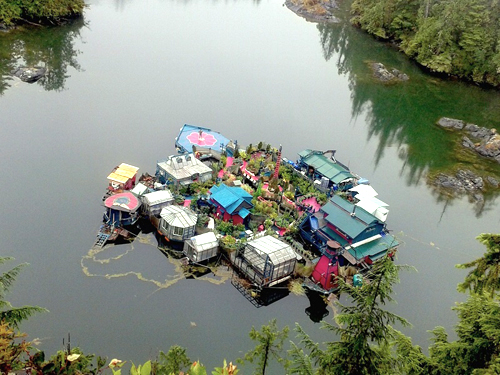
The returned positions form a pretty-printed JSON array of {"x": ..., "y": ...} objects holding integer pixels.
[
  {"x": 201, "y": 247},
  {"x": 265, "y": 261},
  {"x": 177, "y": 223},
  {"x": 121, "y": 209},
  {"x": 122, "y": 178}
]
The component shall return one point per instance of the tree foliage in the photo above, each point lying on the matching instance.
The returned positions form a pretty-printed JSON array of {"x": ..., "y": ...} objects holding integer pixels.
[
  {"x": 9, "y": 314},
  {"x": 269, "y": 345},
  {"x": 45, "y": 11},
  {"x": 485, "y": 273},
  {"x": 457, "y": 37}
]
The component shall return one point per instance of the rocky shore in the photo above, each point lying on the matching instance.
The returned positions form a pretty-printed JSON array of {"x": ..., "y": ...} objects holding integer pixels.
[
  {"x": 314, "y": 10},
  {"x": 483, "y": 141}
]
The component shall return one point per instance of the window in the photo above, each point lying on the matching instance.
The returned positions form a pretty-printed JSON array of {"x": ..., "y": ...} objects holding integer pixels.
[{"x": 178, "y": 231}]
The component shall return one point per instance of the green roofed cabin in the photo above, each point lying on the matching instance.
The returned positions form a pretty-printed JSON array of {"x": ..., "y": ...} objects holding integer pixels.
[
  {"x": 361, "y": 237},
  {"x": 325, "y": 171}
]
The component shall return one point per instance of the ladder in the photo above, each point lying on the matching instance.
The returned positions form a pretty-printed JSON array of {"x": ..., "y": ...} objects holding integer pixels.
[{"x": 101, "y": 239}]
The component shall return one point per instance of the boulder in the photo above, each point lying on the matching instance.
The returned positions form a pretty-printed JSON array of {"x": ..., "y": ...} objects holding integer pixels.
[
  {"x": 30, "y": 74},
  {"x": 384, "y": 75},
  {"x": 446, "y": 122}
]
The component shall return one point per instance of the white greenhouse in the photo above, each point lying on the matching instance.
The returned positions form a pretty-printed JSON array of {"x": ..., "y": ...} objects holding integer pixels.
[
  {"x": 154, "y": 202},
  {"x": 201, "y": 247},
  {"x": 266, "y": 261},
  {"x": 177, "y": 223}
]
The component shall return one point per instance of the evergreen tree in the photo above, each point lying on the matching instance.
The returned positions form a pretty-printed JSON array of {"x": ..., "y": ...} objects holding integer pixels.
[
  {"x": 485, "y": 275},
  {"x": 269, "y": 345},
  {"x": 360, "y": 325},
  {"x": 9, "y": 314}
]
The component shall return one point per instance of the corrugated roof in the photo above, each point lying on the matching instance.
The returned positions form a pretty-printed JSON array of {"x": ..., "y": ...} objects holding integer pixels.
[
  {"x": 374, "y": 249},
  {"x": 325, "y": 166},
  {"x": 230, "y": 198},
  {"x": 179, "y": 216},
  {"x": 304, "y": 153},
  {"x": 118, "y": 177},
  {"x": 339, "y": 214},
  {"x": 123, "y": 173},
  {"x": 365, "y": 190},
  {"x": 157, "y": 197}
]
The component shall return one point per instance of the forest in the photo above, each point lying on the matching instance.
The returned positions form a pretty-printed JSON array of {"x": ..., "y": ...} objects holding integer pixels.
[
  {"x": 37, "y": 12},
  {"x": 454, "y": 37},
  {"x": 364, "y": 335}
]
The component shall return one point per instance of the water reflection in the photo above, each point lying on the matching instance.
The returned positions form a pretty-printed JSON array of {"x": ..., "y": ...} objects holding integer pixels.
[
  {"x": 404, "y": 114},
  {"x": 52, "y": 48}
]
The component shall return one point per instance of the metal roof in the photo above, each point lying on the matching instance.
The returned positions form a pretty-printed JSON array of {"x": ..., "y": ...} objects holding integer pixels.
[
  {"x": 204, "y": 241},
  {"x": 139, "y": 189},
  {"x": 278, "y": 251},
  {"x": 231, "y": 198},
  {"x": 157, "y": 197},
  {"x": 374, "y": 249},
  {"x": 123, "y": 173},
  {"x": 179, "y": 216},
  {"x": 365, "y": 190},
  {"x": 339, "y": 213},
  {"x": 325, "y": 166},
  {"x": 183, "y": 166}
]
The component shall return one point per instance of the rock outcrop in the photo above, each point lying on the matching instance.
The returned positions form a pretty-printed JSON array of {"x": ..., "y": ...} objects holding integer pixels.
[
  {"x": 387, "y": 76},
  {"x": 485, "y": 142}
]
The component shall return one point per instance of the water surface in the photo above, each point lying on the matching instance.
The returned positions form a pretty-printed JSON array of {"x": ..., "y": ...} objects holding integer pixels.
[{"x": 122, "y": 84}]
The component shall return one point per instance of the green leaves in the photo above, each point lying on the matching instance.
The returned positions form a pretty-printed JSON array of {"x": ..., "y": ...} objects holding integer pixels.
[{"x": 144, "y": 369}]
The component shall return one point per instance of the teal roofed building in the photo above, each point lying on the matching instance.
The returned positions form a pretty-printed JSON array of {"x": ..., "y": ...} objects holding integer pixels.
[
  {"x": 323, "y": 167},
  {"x": 347, "y": 232},
  {"x": 232, "y": 203}
]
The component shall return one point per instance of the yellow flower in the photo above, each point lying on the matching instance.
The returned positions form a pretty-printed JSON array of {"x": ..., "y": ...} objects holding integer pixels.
[
  {"x": 114, "y": 362},
  {"x": 73, "y": 357}
]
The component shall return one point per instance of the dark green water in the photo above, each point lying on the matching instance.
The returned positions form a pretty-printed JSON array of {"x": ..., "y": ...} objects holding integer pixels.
[{"x": 118, "y": 90}]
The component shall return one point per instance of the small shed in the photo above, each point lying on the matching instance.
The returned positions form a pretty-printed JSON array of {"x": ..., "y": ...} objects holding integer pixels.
[
  {"x": 154, "y": 202},
  {"x": 201, "y": 247},
  {"x": 266, "y": 261},
  {"x": 121, "y": 209},
  {"x": 177, "y": 223},
  {"x": 122, "y": 177}
]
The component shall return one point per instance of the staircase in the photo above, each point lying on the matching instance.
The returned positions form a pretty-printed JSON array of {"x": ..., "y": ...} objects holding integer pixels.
[{"x": 102, "y": 238}]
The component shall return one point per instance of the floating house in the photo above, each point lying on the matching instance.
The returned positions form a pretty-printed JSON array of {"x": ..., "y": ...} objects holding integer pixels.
[
  {"x": 181, "y": 170},
  {"x": 361, "y": 237},
  {"x": 232, "y": 203},
  {"x": 326, "y": 170},
  {"x": 122, "y": 177},
  {"x": 265, "y": 261},
  {"x": 201, "y": 247},
  {"x": 177, "y": 223},
  {"x": 204, "y": 141},
  {"x": 121, "y": 209},
  {"x": 154, "y": 202}
]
